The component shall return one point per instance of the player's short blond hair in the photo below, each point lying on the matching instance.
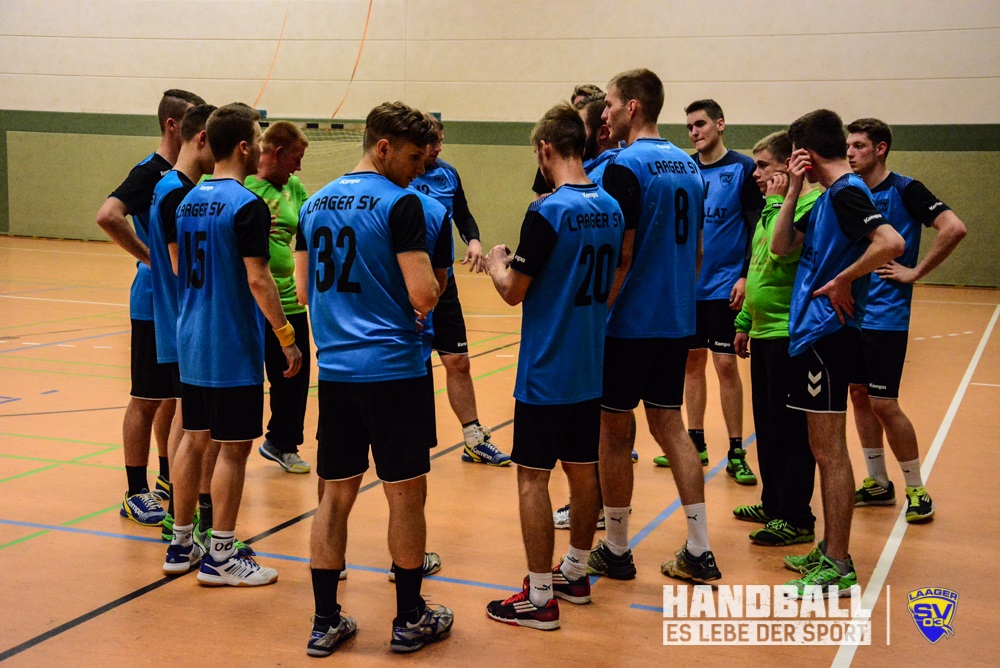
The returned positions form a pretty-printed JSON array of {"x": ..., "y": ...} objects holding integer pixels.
[{"x": 284, "y": 134}]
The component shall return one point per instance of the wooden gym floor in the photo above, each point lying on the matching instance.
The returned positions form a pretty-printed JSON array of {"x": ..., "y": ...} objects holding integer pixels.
[{"x": 82, "y": 586}]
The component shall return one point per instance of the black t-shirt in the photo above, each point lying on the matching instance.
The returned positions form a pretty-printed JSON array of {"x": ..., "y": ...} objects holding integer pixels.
[
  {"x": 136, "y": 191},
  {"x": 622, "y": 184},
  {"x": 252, "y": 224},
  {"x": 538, "y": 239},
  {"x": 921, "y": 203},
  {"x": 855, "y": 211},
  {"x": 540, "y": 186},
  {"x": 442, "y": 256},
  {"x": 168, "y": 208}
]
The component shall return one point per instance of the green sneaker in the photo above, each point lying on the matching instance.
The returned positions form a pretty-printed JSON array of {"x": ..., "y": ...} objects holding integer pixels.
[
  {"x": 805, "y": 562},
  {"x": 827, "y": 575},
  {"x": 873, "y": 494},
  {"x": 167, "y": 528},
  {"x": 664, "y": 462},
  {"x": 738, "y": 469},
  {"x": 752, "y": 513},
  {"x": 919, "y": 507},
  {"x": 779, "y": 532}
]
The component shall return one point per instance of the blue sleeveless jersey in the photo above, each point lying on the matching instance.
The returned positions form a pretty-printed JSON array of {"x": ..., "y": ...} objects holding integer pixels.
[
  {"x": 440, "y": 182},
  {"x": 220, "y": 329},
  {"x": 725, "y": 241},
  {"x": 889, "y": 301},
  {"x": 435, "y": 215},
  {"x": 140, "y": 302},
  {"x": 595, "y": 166},
  {"x": 362, "y": 321},
  {"x": 826, "y": 251},
  {"x": 657, "y": 299},
  {"x": 564, "y": 313},
  {"x": 164, "y": 282}
]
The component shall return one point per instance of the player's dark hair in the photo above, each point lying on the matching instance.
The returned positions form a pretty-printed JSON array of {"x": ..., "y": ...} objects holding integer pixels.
[
  {"x": 228, "y": 126},
  {"x": 878, "y": 131},
  {"x": 777, "y": 144},
  {"x": 284, "y": 134},
  {"x": 591, "y": 111},
  {"x": 435, "y": 121},
  {"x": 562, "y": 128},
  {"x": 711, "y": 108},
  {"x": 174, "y": 103},
  {"x": 398, "y": 121},
  {"x": 820, "y": 131},
  {"x": 195, "y": 119},
  {"x": 644, "y": 87},
  {"x": 589, "y": 92}
]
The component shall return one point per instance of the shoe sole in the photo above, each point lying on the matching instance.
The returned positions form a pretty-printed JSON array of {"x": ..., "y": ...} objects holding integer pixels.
[
  {"x": 220, "y": 581},
  {"x": 680, "y": 575},
  {"x": 327, "y": 652},
  {"x": 842, "y": 593},
  {"x": 474, "y": 460},
  {"x": 575, "y": 600},
  {"x": 130, "y": 516},
  {"x": 749, "y": 483},
  {"x": 751, "y": 519},
  {"x": 266, "y": 455},
  {"x": 862, "y": 504},
  {"x": 615, "y": 576},
  {"x": 918, "y": 519},
  {"x": 792, "y": 541},
  {"x": 406, "y": 649},
  {"x": 180, "y": 569},
  {"x": 526, "y": 623}
]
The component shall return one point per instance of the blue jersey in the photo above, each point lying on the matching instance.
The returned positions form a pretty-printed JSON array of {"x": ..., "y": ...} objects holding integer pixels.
[
  {"x": 167, "y": 197},
  {"x": 220, "y": 329},
  {"x": 362, "y": 321},
  {"x": 442, "y": 182},
  {"x": 570, "y": 244},
  {"x": 439, "y": 245},
  {"x": 595, "y": 166},
  {"x": 836, "y": 233},
  {"x": 733, "y": 204},
  {"x": 908, "y": 206},
  {"x": 136, "y": 192},
  {"x": 662, "y": 196}
]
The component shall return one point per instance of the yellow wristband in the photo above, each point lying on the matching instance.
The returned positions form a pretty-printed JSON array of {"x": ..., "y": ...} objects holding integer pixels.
[{"x": 286, "y": 335}]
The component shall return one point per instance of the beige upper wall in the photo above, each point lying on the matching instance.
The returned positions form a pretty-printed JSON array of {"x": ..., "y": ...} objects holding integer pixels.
[{"x": 766, "y": 61}]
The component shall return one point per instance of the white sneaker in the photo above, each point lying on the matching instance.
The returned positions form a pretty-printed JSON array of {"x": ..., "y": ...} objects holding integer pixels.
[
  {"x": 560, "y": 518},
  {"x": 237, "y": 571}
]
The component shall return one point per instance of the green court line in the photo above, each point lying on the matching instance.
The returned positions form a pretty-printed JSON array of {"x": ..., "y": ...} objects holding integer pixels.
[
  {"x": 49, "y": 322},
  {"x": 482, "y": 375},
  {"x": 69, "y": 462},
  {"x": 77, "y": 520},
  {"x": 59, "y": 440},
  {"x": 36, "y": 359},
  {"x": 99, "y": 452},
  {"x": 64, "y": 373},
  {"x": 27, "y": 473}
]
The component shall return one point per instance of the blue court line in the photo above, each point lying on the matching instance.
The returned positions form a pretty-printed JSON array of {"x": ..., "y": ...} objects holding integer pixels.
[
  {"x": 7, "y": 400},
  {"x": 90, "y": 532},
  {"x": 50, "y": 391},
  {"x": 647, "y": 608},
  {"x": 56, "y": 343}
]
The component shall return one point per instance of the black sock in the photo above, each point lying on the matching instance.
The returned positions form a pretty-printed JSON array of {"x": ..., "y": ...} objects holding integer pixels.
[
  {"x": 170, "y": 507},
  {"x": 136, "y": 479},
  {"x": 735, "y": 442},
  {"x": 469, "y": 424},
  {"x": 205, "y": 511},
  {"x": 698, "y": 436},
  {"x": 409, "y": 604},
  {"x": 325, "y": 581},
  {"x": 164, "y": 468}
]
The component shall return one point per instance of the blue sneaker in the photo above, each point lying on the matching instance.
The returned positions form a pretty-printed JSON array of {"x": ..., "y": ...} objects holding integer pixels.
[
  {"x": 325, "y": 638},
  {"x": 162, "y": 488},
  {"x": 143, "y": 508},
  {"x": 484, "y": 452},
  {"x": 434, "y": 625},
  {"x": 239, "y": 570},
  {"x": 180, "y": 560},
  {"x": 635, "y": 457}
]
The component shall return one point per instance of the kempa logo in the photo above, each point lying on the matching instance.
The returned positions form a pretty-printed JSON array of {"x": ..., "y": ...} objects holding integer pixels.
[
  {"x": 871, "y": 218},
  {"x": 762, "y": 615}
]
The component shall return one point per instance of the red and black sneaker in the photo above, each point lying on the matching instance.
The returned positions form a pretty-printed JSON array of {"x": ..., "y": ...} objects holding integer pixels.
[
  {"x": 575, "y": 591},
  {"x": 520, "y": 611}
]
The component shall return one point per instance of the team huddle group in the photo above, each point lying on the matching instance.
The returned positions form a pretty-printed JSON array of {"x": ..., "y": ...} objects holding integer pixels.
[{"x": 634, "y": 261}]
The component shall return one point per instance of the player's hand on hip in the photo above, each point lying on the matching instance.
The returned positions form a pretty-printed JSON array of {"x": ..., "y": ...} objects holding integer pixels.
[
  {"x": 474, "y": 257},
  {"x": 741, "y": 345},
  {"x": 294, "y": 358},
  {"x": 838, "y": 291},
  {"x": 894, "y": 271}
]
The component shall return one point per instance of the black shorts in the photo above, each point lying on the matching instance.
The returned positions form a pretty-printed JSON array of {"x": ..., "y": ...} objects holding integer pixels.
[
  {"x": 449, "y": 323},
  {"x": 150, "y": 379},
  {"x": 394, "y": 417},
  {"x": 228, "y": 413},
  {"x": 878, "y": 364},
  {"x": 716, "y": 326},
  {"x": 570, "y": 433},
  {"x": 175, "y": 378},
  {"x": 651, "y": 370},
  {"x": 819, "y": 376},
  {"x": 429, "y": 380}
]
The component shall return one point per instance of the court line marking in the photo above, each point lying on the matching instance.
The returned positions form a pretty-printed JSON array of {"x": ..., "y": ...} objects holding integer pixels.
[
  {"x": 845, "y": 654},
  {"x": 45, "y": 250},
  {"x": 55, "y": 343},
  {"x": 63, "y": 301},
  {"x": 985, "y": 384},
  {"x": 942, "y": 301}
]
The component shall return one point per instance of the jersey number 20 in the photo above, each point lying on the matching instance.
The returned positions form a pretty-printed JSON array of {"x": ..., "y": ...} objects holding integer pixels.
[{"x": 600, "y": 272}]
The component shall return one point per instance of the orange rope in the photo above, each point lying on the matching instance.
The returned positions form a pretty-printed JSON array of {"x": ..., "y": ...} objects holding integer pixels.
[
  {"x": 275, "y": 59},
  {"x": 358, "y": 60}
]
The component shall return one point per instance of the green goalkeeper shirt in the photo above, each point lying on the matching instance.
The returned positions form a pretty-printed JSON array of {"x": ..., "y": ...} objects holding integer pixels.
[
  {"x": 769, "y": 282},
  {"x": 284, "y": 204}
]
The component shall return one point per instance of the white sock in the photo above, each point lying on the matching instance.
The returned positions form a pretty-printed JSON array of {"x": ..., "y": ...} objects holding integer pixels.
[
  {"x": 183, "y": 535},
  {"x": 697, "y": 542},
  {"x": 473, "y": 434},
  {"x": 911, "y": 473},
  {"x": 574, "y": 566},
  {"x": 539, "y": 588},
  {"x": 616, "y": 521},
  {"x": 875, "y": 461},
  {"x": 223, "y": 545}
]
